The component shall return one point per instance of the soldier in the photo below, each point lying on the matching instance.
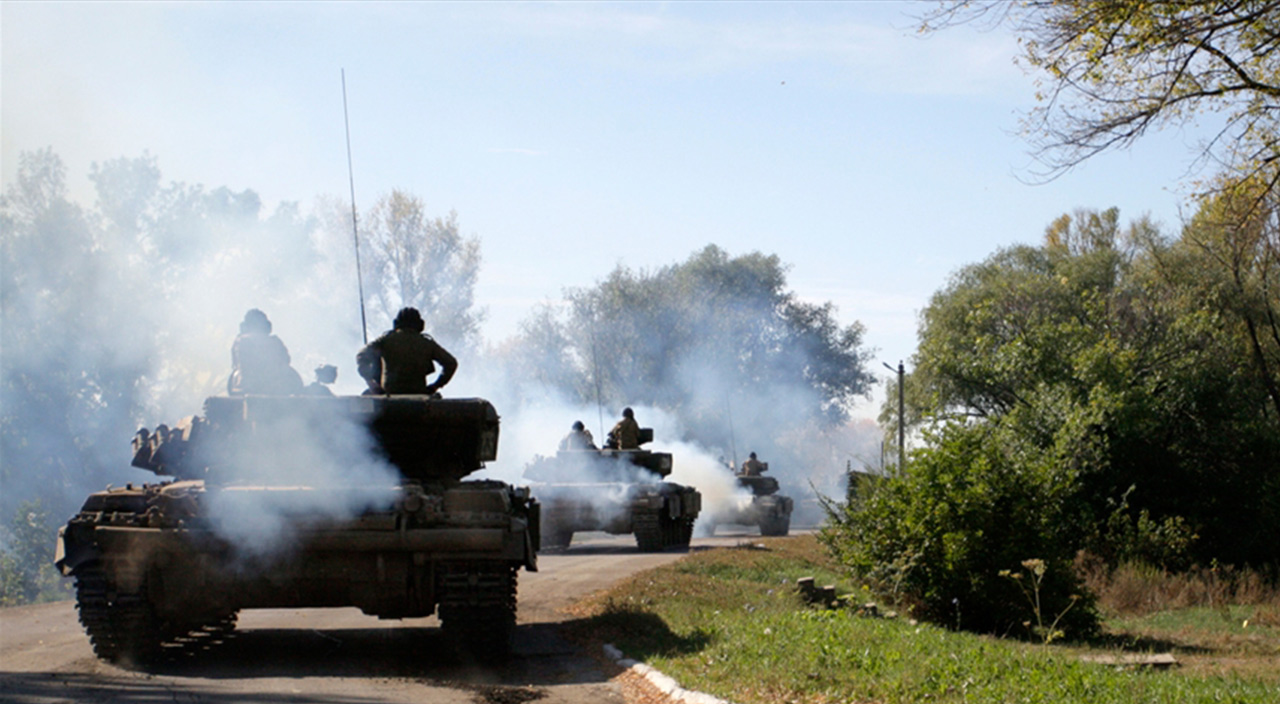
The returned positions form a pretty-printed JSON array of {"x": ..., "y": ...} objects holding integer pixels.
[
  {"x": 260, "y": 361},
  {"x": 400, "y": 361},
  {"x": 578, "y": 439},
  {"x": 325, "y": 374},
  {"x": 626, "y": 434},
  {"x": 752, "y": 467}
]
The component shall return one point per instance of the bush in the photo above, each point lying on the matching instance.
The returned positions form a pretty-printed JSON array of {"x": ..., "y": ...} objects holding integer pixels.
[
  {"x": 27, "y": 545},
  {"x": 947, "y": 536}
]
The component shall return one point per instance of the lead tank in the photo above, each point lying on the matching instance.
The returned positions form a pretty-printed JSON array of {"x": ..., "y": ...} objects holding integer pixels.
[
  {"x": 290, "y": 502},
  {"x": 615, "y": 491}
]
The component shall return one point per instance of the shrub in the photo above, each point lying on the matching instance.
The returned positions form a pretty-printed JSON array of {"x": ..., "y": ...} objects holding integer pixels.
[
  {"x": 27, "y": 573},
  {"x": 974, "y": 504}
]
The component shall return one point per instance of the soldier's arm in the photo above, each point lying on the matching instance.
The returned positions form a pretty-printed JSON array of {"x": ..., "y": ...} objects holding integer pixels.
[
  {"x": 369, "y": 365},
  {"x": 448, "y": 365}
]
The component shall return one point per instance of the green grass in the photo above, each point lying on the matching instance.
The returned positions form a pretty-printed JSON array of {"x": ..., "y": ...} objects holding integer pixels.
[{"x": 730, "y": 622}]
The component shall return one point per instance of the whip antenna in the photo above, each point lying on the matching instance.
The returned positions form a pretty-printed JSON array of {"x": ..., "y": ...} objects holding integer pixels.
[{"x": 355, "y": 231}]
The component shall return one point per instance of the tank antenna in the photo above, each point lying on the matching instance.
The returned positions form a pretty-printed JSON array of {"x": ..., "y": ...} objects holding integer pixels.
[
  {"x": 733, "y": 442},
  {"x": 595, "y": 372},
  {"x": 355, "y": 231}
]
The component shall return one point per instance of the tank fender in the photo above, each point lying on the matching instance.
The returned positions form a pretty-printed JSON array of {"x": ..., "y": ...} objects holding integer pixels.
[
  {"x": 70, "y": 554},
  {"x": 530, "y": 552}
]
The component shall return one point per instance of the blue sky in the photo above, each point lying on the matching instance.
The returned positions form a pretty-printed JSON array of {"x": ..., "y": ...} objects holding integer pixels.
[{"x": 573, "y": 137}]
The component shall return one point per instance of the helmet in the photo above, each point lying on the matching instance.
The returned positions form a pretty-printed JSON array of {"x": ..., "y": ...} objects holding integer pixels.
[
  {"x": 326, "y": 373},
  {"x": 752, "y": 455},
  {"x": 255, "y": 321},
  {"x": 577, "y": 425},
  {"x": 409, "y": 319},
  {"x": 628, "y": 413}
]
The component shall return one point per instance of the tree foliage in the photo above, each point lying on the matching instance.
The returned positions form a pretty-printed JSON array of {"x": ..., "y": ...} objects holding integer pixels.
[
  {"x": 107, "y": 315},
  {"x": 716, "y": 339},
  {"x": 1113, "y": 381},
  {"x": 1114, "y": 70},
  {"x": 411, "y": 260}
]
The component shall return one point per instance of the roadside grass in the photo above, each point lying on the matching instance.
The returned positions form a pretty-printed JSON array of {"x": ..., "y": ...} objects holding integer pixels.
[{"x": 730, "y": 622}]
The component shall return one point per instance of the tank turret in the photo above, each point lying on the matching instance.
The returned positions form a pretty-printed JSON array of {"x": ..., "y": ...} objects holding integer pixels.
[{"x": 425, "y": 438}]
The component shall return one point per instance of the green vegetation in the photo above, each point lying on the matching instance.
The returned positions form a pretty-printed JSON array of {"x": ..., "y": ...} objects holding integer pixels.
[
  {"x": 27, "y": 573},
  {"x": 729, "y": 622},
  {"x": 1109, "y": 392}
]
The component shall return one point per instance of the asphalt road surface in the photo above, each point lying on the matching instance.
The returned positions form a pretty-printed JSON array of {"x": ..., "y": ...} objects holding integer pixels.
[{"x": 340, "y": 656}]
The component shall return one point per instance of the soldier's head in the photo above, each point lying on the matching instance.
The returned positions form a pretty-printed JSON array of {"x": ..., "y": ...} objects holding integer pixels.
[
  {"x": 326, "y": 373},
  {"x": 409, "y": 319},
  {"x": 578, "y": 426},
  {"x": 255, "y": 321},
  {"x": 752, "y": 455},
  {"x": 628, "y": 413}
]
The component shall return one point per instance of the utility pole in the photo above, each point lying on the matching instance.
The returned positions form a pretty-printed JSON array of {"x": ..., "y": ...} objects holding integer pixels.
[{"x": 902, "y": 416}]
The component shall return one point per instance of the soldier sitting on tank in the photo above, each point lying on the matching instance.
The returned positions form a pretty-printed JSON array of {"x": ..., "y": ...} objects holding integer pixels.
[
  {"x": 578, "y": 439},
  {"x": 626, "y": 434},
  {"x": 260, "y": 361},
  {"x": 400, "y": 361},
  {"x": 325, "y": 374},
  {"x": 752, "y": 467}
]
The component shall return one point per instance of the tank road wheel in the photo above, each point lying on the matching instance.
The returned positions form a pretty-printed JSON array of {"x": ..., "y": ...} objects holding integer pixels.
[
  {"x": 556, "y": 537},
  {"x": 649, "y": 531},
  {"x": 478, "y": 608},
  {"x": 122, "y": 626},
  {"x": 686, "y": 532},
  {"x": 779, "y": 525}
]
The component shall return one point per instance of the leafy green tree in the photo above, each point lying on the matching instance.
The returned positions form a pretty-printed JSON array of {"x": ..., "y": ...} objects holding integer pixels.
[
  {"x": 718, "y": 340},
  {"x": 411, "y": 260},
  {"x": 27, "y": 572},
  {"x": 1102, "y": 382}
]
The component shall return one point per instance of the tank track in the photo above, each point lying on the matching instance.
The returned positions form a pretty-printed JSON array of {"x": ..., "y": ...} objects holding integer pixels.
[
  {"x": 124, "y": 628},
  {"x": 477, "y": 607},
  {"x": 121, "y": 626},
  {"x": 648, "y": 530},
  {"x": 776, "y": 526},
  {"x": 656, "y": 531}
]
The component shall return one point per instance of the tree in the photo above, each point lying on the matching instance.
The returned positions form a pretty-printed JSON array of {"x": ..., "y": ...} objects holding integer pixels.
[
  {"x": 120, "y": 315},
  {"x": 410, "y": 260},
  {"x": 1096, "y": 393},
  {"x": 1228, "y": 258},
  {"x": 1115, "y": 70},
  {"x": 717, "y": 340}
]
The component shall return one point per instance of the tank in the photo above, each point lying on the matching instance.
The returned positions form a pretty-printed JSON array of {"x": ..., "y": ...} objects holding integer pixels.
[
  {"x": 765, "y": 507},
  {"x": 298, "y": 502},
  {"x": 615, "y": 491}
]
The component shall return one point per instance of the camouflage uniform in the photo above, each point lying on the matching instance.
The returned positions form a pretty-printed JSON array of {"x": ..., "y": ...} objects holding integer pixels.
[
  {"x": 578, "y": 440},
  {"x": 401, "y": 360},
  {"x": 260, "y": 365},
  {"x": 626, "y": 434},
  {"x": 752, "y": 467}
]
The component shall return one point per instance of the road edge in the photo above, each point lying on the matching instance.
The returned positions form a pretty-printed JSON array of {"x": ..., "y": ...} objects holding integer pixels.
[{"x": 660, "y": 681}]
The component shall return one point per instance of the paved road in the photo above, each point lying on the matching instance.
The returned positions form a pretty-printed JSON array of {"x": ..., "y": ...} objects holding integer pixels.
[{"x": 339, "y": 656}]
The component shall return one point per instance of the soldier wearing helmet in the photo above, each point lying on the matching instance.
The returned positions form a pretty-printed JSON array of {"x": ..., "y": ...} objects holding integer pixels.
[
  {"x": 579, "y": 438},
  {"x": 752, "y": 467},
  {"x": 400, "y": 361},
  {"x": 260, "y": 361},
  {"x": 626, "y": 434}
]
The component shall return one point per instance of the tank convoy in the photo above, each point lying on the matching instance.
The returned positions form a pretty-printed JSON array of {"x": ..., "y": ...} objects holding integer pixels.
[
  {"x": 764, "y": 507},
  {"x": 615, "y": 491},
  {"x": 163, "y": 563}
]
